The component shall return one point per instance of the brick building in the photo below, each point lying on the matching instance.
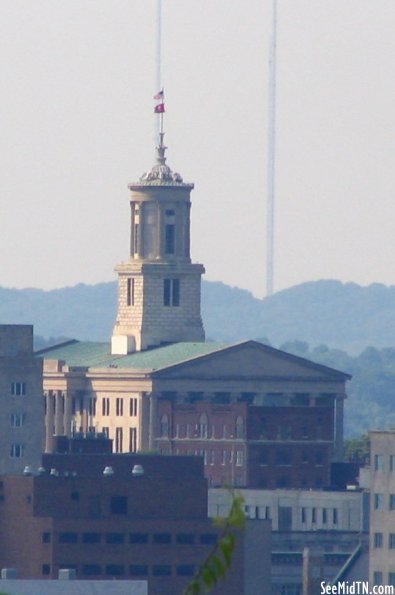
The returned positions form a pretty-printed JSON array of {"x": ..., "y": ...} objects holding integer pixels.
[{"x": 122, "y": 525}]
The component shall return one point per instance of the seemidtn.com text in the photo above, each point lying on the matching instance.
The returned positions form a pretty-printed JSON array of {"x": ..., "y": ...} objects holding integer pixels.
[{"x": 356, "y": 588}]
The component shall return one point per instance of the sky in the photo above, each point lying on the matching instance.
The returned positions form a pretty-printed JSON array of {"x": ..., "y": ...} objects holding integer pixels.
[{"x": 77, "y": 79}]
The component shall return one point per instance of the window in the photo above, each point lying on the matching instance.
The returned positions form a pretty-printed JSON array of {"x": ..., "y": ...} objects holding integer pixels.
[
  {"x": 75, "y": 496},
  {"x": 18, "y": 389},
  {"x": 391, "y": 579},
  {"x": 130, "y": 292},
  {"x": 91, "y": 538},
  {"x": 118, "y": 440},
  {"x": 334, "y": 518},
  {"x": 68, "y": 537},
  {"x": 379, "y": 501},
  {"x": 115, "y": 570},
  {"x": 223, "y": 460},
  {"x": 138, "y": 570},
  {"x": 185, "y": 570},
  {"x": 391, "y": 541},
  {"x": 170, "y": 237},
  {"x": 203, "y": 426},
  {"x": 46, "y": 537},
  {"x": 119, "y": 406},
  {"x": 105, "y": 406},
  {"x": 92, "y": 406},
  {"x": 377, "y": 578},
  {"x": 379, "y": 462},
  {"x": 119, "y": 505},
  {"x": 239, "y": 458},
  {"x": 303, "y": 515},
  {"x": 378, "y": 540},
  {"x": 115, "y": 538},
  {"x": 208, "y": 538},
  {"x": 46, "y": 569},
  {"x": 138, "y": 538},
  {"x": 239, "y": 428},
  {"x": 133, "y": 439},
  {"x": 185, "y": 538},
  {"x": 133, "y": 407},
  {"x": 171, "y": 292},
  {"x": 106, "y": 432},
  {"x": 17, "y": 420},
  {"x": 392, "y": 462},
  {"x": 91, "y": 569},
  {"x": 212, "y": 457},
  {"x": 136, "y": 238},
  {"x": 392, "y": 502},
  {"x": 162, "y": 538},
  {"x": 324, "y": 516},
  {"x": 313, "y": 515},
  {"x": 161, "y": 570},
  {"x": 164, "y": 426},
  {"x": 17, "y": 451}
]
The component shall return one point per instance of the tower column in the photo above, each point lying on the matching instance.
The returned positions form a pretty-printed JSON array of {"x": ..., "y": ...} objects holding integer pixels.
[
  {"x": 160, "y": 239},
  {"x": 140, "y": 238}
]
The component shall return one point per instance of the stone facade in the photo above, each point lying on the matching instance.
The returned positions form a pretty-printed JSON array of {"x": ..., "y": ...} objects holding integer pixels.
[
  {"x": 21, "y": 421},
  {"x": 159, "y": 287}
]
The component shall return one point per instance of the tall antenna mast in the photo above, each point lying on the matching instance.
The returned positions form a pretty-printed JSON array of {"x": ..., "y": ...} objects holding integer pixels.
[
  {"x": 271, "y": 155},
  {"x": 158, "y": 74}
]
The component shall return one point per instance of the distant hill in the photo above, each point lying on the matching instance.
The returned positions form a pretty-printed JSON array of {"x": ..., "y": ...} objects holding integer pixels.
[{"x": 342, "y": 316}]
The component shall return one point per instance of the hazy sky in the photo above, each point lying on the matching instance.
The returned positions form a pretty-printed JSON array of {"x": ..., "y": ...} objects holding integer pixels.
[{"x": 77, "y": 79}]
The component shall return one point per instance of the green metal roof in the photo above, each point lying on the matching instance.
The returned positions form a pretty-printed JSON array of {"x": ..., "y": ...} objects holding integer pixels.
[{"x": 98, "y": 355}]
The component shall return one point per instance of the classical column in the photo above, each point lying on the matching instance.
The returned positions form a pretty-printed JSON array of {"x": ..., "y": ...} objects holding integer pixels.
[
  {"x": 49, "y": 422},
  {"x": 140, "y": 238},
  {"x": 132, "y": 224},
  {"x": 152, "y": 421},
  {"x": 59, "y": 413},
  {"x": 67, "y": 413}
]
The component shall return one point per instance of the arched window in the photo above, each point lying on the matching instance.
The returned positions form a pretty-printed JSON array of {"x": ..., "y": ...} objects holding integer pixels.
[
  {"x": 164, "y": 426},
  {"x": 203, "y": 426},
  {"x": 239, "y": 427}
]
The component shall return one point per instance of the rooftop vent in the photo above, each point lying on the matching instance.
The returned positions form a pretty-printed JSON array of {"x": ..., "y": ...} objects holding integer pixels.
[
  {"x": 28, "y": 471},
  {"x": 138, "y": 470},
  {"x": 67, "y": 574},
  {"x": 9, "y": 573},
  {"x": 54, "y": 472},
  {"x": 108, "y": 471}
]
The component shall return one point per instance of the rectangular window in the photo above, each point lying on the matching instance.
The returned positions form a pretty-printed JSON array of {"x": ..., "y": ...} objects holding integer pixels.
[
  {"x": 379, "y": 501},
  {"x": 118, "y": 440},
  {"x": 379, "y": 462},
  {"x": 91, "y": 538},
  {"x": 92, "y": 406},
  {"x": 133, "y": 407},
  {"x": 223, "y": 461},
  {"x": 17, "y": 451},
  {"x": 324, "y": 516},
  {"x": 68, "y": 537},
  {"x": 91, "y": 570},
  {"x": 18, "y": 389},
  {"x": 334, "y": 519},
  {"x": 185, "y": 570},
  {"x": 138, "y": 538},
  {"x": 239, "y": 458},
  {"x": 303, "y": 515},
  {"x": 171, "y": 292},
  {"x": 130, "y": 291},
  {"x": 185, "y": 538},
  {"x": 115, "y": 538},
  {"x": 170, "y": 237},
  {"x": 105, "y": 406},
  {"x": 132, "y": 439},
  {"x": 313, "y": 515},
  {"x": 377, "y": 578},
  {"x": 378, "y": 540},
  {"x": 161, "y": 570},
  {"x": 115, "y": 570},
  {"x": 119, "y": 406},
  {"x": 392, "y": 462},
  {"x": 208, "y": 538},
  {"x": 391, "y": 579},
  {"x": 162, "y": 538},
  {"x": 119, "y": 505},
  {"x": 17, "y": 420},
  {"x": 138, "y": 570},
  {"x": 106, "y": 432},
  {"x": 391, "y": 541},
  {"x": 391, "y": 502},
  {"x": 212, "y": 457},
  {"x": 46, "y": 537}
]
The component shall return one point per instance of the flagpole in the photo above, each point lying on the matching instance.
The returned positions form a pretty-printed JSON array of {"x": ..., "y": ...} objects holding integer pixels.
[{"x": 158, "y": 76}]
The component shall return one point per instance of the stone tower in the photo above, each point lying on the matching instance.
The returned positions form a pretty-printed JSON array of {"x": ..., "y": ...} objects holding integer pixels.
[{"x": 159, "y": 287}]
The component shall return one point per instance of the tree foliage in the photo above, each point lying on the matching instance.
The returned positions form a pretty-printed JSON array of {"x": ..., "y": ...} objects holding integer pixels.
[{"x": 220, "y": 558}]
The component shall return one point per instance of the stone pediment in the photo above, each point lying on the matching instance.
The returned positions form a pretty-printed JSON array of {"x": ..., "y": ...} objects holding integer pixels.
[{"x": 250, "y": 360}]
